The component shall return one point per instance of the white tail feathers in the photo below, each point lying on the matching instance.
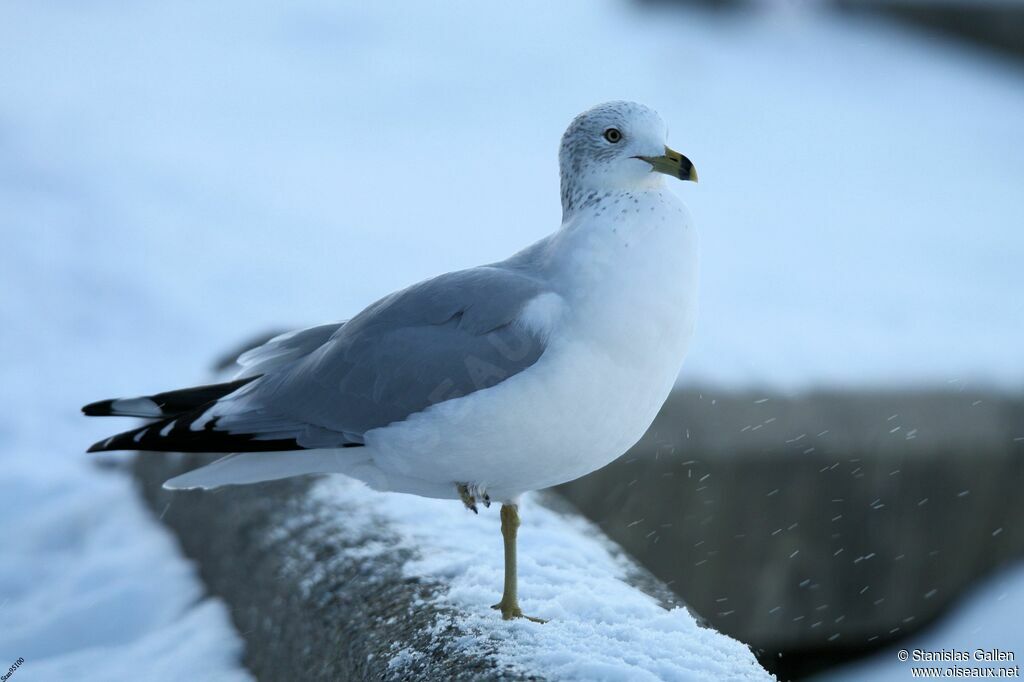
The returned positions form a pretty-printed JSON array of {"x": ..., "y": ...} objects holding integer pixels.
[{"x": 254, "y": 467}]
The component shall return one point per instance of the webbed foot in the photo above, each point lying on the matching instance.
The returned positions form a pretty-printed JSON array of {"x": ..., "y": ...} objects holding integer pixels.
[
  {"x": 469, "y": 493},
  {"x": 512, "y": 611},
  {"x": 467, "y": 497}
]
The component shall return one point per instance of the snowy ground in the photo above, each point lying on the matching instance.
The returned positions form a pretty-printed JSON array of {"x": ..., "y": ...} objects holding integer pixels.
[
  {"x": 599, "y": 627},
  {"x": 176, "y": 175},
  {"x": 93, "y": 588}
]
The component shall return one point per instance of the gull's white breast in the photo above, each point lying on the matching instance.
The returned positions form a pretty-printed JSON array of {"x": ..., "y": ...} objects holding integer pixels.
[{"x": 626, "y": 275}]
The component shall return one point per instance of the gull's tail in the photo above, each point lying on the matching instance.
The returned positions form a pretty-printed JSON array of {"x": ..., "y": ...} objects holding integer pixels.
[
  {"x": 181, "y": 423},
  {"x": 264, "y": 447},
  {"x": 190, "y": 420}
]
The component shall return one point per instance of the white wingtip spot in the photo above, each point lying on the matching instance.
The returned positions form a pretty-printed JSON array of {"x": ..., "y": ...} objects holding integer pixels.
[
  {"x": 200, "y": 423},
  {"x": 135, "y": 407}
]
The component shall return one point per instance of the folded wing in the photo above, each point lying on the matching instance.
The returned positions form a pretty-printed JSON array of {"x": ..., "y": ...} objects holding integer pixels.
[{"x": 324, "y": 387}]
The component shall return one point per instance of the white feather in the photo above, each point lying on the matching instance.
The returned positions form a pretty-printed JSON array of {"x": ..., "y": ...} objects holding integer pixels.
[
  {"x": 253, "y": 467},
  {"x": 135, "y": 407}
]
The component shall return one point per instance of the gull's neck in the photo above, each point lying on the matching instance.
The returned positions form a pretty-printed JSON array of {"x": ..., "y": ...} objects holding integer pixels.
[{"x": 579, "y": 196}]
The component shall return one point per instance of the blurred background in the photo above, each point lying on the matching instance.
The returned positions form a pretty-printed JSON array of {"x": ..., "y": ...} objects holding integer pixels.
[{"x": 836, "y": 477}]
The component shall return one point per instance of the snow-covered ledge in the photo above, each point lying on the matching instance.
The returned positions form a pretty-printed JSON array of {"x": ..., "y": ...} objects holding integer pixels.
[{"x": 328, "y": 580}]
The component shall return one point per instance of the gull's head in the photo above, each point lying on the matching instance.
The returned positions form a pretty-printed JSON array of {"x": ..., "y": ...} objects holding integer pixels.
[{"x": 617, "y": 146}]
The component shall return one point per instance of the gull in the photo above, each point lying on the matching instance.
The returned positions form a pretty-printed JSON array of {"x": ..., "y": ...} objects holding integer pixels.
[{"x": 481, "y": 384}]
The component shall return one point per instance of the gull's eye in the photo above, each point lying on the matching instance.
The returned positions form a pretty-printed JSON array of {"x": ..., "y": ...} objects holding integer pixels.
[{"x": 613, "y": 135}]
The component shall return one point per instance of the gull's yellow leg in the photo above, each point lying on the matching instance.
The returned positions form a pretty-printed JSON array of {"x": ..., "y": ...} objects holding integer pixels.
[{"x": 509, "y": 604}]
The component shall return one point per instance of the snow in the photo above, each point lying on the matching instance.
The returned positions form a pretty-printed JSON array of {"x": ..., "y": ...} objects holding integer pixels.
[
  {"x": 177, "y": 175},
  {"x": 599, "y": 626},
  {"x": 93, "y": 588},
  {"x": 859, "y": 183},
  {"x": 987, "y": 618}
]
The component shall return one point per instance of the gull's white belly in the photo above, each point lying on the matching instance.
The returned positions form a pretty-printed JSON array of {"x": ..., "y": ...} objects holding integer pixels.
[
  {"x": 571, "y": 413},
  {"x": 611, "y": 361}
]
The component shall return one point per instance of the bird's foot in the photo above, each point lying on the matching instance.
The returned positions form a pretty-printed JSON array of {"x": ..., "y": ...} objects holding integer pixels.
[
  {"x": 511, "y": 611},
  {"x": 470, "y": 493},
  {"x": 466, "y": 496}
]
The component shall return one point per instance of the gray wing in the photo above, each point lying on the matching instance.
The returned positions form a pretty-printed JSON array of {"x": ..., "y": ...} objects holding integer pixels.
[
  {"x": 441, "y": 339},
  {"x": 284, "y": 350}
]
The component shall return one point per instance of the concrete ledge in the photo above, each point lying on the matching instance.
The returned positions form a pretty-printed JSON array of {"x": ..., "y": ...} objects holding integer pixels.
[
  {"x": 304, "y": 611},
  {"x": 994, "y": 25},
  {"x": 327, "y": 580}
]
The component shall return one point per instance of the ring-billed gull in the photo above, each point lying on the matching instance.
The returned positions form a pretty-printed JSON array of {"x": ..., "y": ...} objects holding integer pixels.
[{"x": 479, "y": 384}]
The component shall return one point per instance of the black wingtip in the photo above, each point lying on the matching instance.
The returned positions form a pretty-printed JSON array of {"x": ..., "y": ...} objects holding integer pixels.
[
  {"x": 100, "y": 408},
  {"x": 98, "y": 447}
]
